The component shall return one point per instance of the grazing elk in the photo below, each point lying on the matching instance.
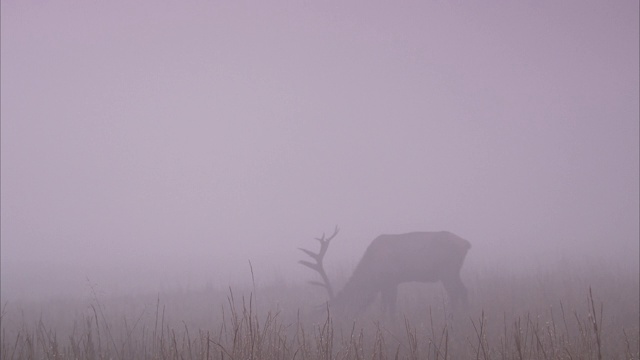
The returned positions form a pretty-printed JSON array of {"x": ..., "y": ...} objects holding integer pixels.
[{"x": 394, "y": 259}]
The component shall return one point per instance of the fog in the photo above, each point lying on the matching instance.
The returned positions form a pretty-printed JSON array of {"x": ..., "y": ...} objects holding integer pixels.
[{"x": 155, "y": 145}]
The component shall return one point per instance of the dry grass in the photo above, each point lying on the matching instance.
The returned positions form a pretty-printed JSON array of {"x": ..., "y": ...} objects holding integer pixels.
[{"x": 568, "y": 316}]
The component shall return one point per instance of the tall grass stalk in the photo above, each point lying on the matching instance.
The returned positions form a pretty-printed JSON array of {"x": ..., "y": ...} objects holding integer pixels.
[{"x": 242, "y": 330}]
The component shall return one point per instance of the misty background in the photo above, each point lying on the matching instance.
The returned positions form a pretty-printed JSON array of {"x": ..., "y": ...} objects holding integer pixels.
[{"x": 152, "y": 145}]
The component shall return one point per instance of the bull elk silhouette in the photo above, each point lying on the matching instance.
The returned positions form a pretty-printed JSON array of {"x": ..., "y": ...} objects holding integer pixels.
[{"x": 394, "y": 259}]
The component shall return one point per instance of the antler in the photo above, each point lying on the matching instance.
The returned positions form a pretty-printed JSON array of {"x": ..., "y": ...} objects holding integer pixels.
[{"x": 318, "y": 266}]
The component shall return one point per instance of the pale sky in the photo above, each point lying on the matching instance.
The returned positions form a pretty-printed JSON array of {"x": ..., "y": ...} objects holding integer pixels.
[{"x": 165, "y": 143}]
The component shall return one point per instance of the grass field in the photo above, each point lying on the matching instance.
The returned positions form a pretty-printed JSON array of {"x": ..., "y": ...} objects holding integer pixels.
[{"x": 569, "y": 314}]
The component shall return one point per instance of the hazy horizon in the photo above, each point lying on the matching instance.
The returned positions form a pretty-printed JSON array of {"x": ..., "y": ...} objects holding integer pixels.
[{"x": 153, "y": 144}]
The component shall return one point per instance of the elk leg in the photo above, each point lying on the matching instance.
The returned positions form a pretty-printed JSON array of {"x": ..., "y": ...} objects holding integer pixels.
[
  {"x": 456, "y": 290},
  {"x": 389, "y": 298}
]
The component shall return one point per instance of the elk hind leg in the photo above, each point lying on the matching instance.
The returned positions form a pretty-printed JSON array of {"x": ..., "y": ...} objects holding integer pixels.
[
  {"x": 456, "y": 291},
  {"x": 389, "y": 298}
]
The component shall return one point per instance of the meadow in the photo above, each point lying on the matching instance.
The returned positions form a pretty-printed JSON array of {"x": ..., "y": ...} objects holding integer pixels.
[{"x": 560, "y": 313}]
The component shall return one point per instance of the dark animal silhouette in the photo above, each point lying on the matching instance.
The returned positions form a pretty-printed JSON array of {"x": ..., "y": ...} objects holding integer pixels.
[{"x": 394, "y": 259}]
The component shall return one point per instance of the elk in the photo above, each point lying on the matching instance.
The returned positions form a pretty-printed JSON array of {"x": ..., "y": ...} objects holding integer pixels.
[{"x": 390, "y": 260}]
